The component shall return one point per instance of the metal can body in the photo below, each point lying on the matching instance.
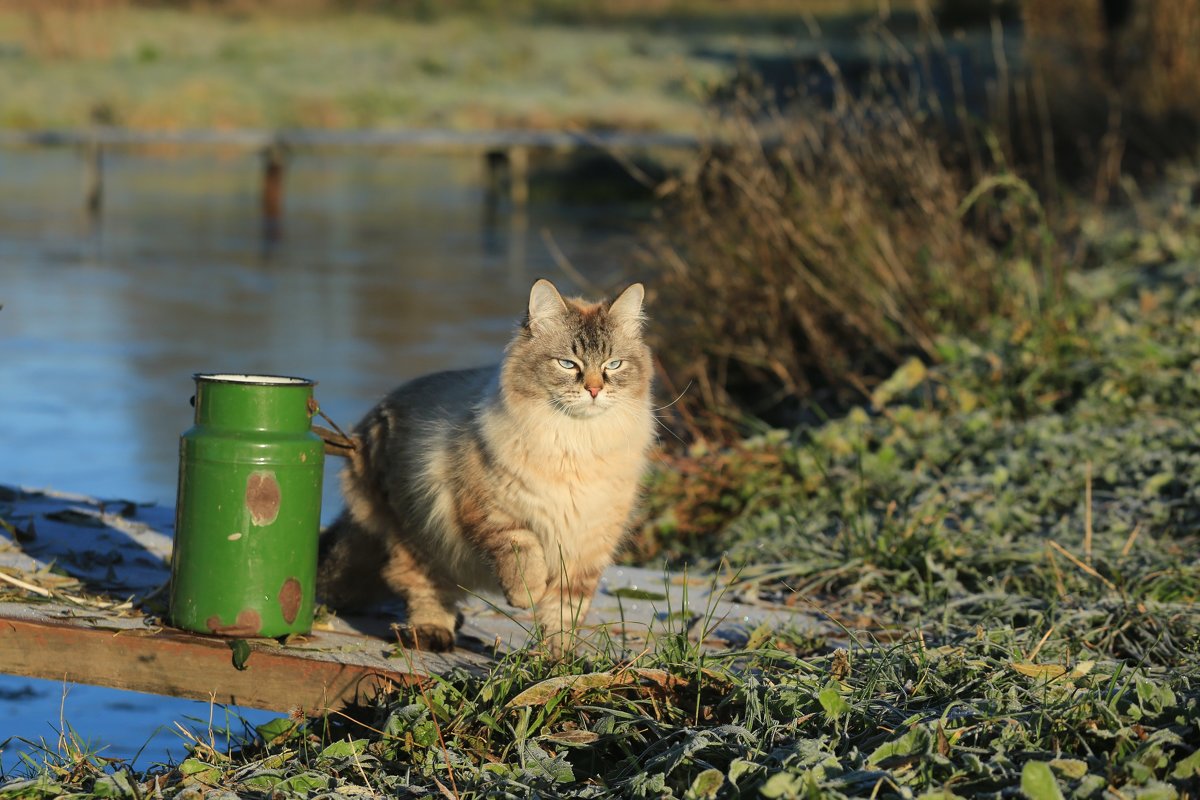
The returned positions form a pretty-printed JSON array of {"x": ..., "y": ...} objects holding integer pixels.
[{"x": 248, "y": 511}]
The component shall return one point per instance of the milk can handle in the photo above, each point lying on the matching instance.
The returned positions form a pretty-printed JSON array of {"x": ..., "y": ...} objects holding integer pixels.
[{"x": 336, "y": 443}]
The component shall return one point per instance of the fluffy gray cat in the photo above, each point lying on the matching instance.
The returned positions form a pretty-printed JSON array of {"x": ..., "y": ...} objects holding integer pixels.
[{"x": 518, "y": 478}]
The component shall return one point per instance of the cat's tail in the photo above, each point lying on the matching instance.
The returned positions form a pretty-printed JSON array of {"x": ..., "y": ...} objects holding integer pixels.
[
  {"x": 349, "y": 563},
  {"x": 351, "y": 555}
]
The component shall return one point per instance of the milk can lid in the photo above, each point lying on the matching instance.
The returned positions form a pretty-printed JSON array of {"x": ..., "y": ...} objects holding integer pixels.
[{"x": 256, "y": 380}]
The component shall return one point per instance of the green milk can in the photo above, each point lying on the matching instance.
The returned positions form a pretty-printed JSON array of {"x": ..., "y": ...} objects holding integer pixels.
[{"x": 248, "y": 510}]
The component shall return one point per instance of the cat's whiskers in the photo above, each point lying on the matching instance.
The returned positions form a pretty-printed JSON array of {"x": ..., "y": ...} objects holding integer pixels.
[
  {"x": 676, "y": 400},
  {"x": 659, "y": 421}
]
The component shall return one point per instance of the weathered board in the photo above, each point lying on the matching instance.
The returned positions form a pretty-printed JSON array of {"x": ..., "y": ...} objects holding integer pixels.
[
  {"x": 82, "y": 593},
  {"x": 54, "y": 643}
]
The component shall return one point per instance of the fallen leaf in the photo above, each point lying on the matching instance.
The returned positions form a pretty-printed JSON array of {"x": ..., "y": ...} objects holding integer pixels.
[
  {"x": 707, "y": 783},
  {"x": 578, "y": 737},
  {"x": 1038, "y": 783},
  {"x": 241, "y": 653},
  {"x": 1042, "y": 671},
  {"x": 544, "y": 691},
  {"x": 1052, "y": 671}
]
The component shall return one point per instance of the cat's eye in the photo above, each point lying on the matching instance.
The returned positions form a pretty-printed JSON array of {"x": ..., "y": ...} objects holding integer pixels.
[
  {"x": 614, "y": 364},
  {"x": 566, "y": 363}
]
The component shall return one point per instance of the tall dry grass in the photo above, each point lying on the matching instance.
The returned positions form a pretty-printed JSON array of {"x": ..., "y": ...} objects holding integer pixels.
[
  {"x": 814, "y": 259},
  {"x": 1120, "y": 82},
  {"x": 814, "y": 250},
  {"x": 817, "y": 249}
]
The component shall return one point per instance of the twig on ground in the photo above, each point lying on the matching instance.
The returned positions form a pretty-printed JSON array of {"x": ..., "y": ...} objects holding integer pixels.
[
  {"x": 29, "y": 587},
  {"x": 1085, "y": 567}
]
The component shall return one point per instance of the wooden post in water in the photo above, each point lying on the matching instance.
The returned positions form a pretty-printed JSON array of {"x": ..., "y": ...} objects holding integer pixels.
[
  {"x": 495, "y": 163},
  {"x": 513, "y": 160},
  {"x": 93, "y": 179},
  {"x": 274, "y": 162},
  {"x": 93, "y": 159},
  {"x": 518, "y": 175}
]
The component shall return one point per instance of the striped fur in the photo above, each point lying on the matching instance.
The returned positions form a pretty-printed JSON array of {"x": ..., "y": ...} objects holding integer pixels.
[{"x": 517, "y": 478}]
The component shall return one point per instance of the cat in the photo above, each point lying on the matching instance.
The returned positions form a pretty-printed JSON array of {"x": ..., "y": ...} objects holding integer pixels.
[{"x": 518, "y": 478}]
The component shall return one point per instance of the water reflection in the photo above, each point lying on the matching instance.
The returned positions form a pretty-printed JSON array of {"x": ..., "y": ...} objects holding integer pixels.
[{"x": 388, "y": 266}]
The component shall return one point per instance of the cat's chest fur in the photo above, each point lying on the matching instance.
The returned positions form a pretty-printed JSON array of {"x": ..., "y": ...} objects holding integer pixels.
[{"x": 573, "y": 482}]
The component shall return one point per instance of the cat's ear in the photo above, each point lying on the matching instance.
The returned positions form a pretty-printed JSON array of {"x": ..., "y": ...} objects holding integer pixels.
[
  {"x": 627, "y": 309},
  {"x": 545, "y": 304}
]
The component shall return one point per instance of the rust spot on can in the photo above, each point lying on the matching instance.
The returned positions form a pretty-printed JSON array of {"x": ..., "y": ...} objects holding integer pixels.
[
  {"x": 262, "y": 497},
  {"x": 248, "y": 623},
  {"x": 290, "y": 595}
]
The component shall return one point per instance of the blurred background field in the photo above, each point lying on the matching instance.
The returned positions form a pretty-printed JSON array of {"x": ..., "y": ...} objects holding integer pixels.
[{"x": 335, "y": 65}]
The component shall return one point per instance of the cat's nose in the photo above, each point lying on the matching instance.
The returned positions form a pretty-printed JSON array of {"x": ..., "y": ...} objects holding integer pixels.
[{"x": 594, "y": 390}]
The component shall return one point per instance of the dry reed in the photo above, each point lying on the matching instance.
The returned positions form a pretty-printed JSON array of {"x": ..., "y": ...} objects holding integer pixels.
[{"x": 820, "y": 254}]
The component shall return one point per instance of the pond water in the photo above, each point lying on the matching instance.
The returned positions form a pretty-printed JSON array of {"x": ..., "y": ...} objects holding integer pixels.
[{"x": 387, "y": 266}]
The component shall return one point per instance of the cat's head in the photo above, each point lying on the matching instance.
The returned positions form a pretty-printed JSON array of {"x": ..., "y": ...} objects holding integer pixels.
[{"x": 582, "y": 359}]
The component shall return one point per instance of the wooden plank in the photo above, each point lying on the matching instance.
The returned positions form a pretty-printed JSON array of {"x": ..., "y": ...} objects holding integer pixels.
[
  {"x": 182, "y": 665},
  {"x": 91, "y": 632}
]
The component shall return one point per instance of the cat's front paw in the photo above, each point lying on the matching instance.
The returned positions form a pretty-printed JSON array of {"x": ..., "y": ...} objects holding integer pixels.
[
  {"x": 521, "y": 570},
  {"x": 525, "y": 584},
  {"x": 430, "y": 638}
]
